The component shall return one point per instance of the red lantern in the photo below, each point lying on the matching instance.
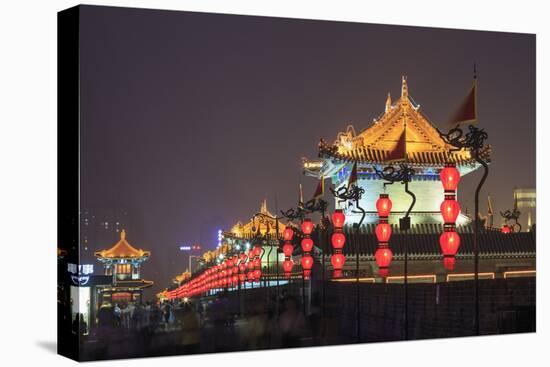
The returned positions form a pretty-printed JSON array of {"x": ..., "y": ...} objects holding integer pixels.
[
  {"x": 288, "y": 249},
  {"x": 338, "y": 218},
  {"x": 337, "y": 261},
  {"x": 250, "y": 276},
  {"x": 307, "y": 226},
  {"x": 383, "y": 205},
  {"x": 338, "y": 240},
  {"x": 242, "y": 257},
  {"x": 383, "y": 257},
  {"x": 450, "y": 209},
  {"x": 307, "y": 244},
  {"x": 450, "y": 177},
  {"x": 287, "y": 266},
  {"x": 251, "y": 265},
  {"x": 288, "y": 233},
  {"x": 242, "y": 277},
  {"x": 257, "y": 274},
  {"x": 506, "y": 229},
  {"x": 257, "y": 262},
  {"x": 257, "y": 251},
  {"x": 307, "y": 262},
  {"x": 449, "y": 242},
  {"x": 242, "y": 267},
  {"x": 383, "y": 232}
]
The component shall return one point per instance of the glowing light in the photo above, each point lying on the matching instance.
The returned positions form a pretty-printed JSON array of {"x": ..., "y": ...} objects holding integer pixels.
[
  {"x": 307, "y": 226},
  {"x": 383, "y": 206},
  {"x": 398, "y": 279},
  {"x": 519, "y": 273},
  {"x": 468, "y": 276},
  {"x": 450, "y": 177}
]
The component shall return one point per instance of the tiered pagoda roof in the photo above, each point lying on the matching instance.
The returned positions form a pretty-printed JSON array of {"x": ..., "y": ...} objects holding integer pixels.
[
  {"x": 401, "y": 134},
  {"x": 122, "y": 250}
]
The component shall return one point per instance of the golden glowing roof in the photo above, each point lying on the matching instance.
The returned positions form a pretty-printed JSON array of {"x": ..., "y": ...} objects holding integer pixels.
[
  {"x": 183, "y": 276},
  {"x": 403, "y": 133},
  {"x": 122, "y": 250},
  {"x": 264, "y": 224}
]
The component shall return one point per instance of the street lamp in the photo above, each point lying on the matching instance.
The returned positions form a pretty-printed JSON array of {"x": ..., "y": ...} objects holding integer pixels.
[
  {"x": 474, "y": 141},
  {"x": 403, "y": 175},
  {"x": 511, "y": 215}
]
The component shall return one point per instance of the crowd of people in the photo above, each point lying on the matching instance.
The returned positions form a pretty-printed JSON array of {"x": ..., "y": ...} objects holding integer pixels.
[{"x": 220, "y": 323}]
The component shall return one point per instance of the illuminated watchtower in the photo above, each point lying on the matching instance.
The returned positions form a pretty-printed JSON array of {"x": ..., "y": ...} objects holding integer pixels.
[
  {"x": 401, "y": 134},
  {"x": 123, "y": 262}
]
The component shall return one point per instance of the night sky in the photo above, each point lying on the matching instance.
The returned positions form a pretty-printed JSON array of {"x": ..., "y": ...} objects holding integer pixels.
[{"x": 189, "y": 120}]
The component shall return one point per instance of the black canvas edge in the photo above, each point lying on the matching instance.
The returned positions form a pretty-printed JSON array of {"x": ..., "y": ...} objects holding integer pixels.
[{"x": 68, "y": 172}]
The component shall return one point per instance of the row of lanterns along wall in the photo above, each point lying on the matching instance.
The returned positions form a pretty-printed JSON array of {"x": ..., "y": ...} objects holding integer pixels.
[
  {"x": 242, "y": 268},
  {"x": 247, "y": 267}
]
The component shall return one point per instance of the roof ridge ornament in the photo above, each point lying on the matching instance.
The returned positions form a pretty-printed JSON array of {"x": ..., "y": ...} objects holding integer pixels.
[
  {"x": 123, "y": 235},
  {"x": 388, "y": 102},
  {"x": 404, "y": 87}
]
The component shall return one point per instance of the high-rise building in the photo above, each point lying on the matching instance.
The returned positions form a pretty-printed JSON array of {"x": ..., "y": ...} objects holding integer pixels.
[{"x": 525, "y": 199}]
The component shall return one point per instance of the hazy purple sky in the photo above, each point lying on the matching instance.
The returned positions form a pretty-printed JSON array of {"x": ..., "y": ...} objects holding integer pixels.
[{"x": 189, "y": 120}]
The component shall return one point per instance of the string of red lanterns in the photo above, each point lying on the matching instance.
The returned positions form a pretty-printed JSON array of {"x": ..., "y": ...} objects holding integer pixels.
[
  {"x": 450, "y": 209},
  {"x": 307, "y": 246},
  {"x": 288, "y": 249},
  {"x": 383, "y": 254},
  {"x": 338, "y": 241},
  {"x": 257, "y": 262}
]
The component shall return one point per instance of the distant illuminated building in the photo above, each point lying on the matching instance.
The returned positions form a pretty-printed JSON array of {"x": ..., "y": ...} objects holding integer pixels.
[
  {"x": 402, "y": 134},
  {"x": 123, "y": 263},
  {"x": 527, "y": 205}
]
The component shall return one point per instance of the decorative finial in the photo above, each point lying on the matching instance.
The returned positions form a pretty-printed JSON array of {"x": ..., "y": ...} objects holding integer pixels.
[
  {"x": 404, "y": 88},
  {"x": 263, "y": 208},
  {"x": 388, "y": 102},
  {"x": 475, "y": 71},
  {"x": 123, "y": 234}
]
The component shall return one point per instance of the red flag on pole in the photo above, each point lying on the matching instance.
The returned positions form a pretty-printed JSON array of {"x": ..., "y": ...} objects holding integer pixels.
[
  {"x": 466, "y": 113},
  {"x": 399, "y": 152},
  {"x": 353, "y": 175},
  {"x": 320, "y": 190}
]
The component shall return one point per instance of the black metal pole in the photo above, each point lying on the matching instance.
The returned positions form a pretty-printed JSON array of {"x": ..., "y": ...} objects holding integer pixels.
[
  {"x": 476, "y": 233},
  {"x": 304, "y": 293},
  {"x": 277, "y": 270},
  {"x": 323, "y": 238},
  {"x": 357, "y": 291}
]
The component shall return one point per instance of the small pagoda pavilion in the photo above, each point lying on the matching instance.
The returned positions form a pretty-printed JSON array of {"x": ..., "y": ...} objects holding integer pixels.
[
  {"x": 123, "y": 263},
  {"x": 401, "y": 135}
]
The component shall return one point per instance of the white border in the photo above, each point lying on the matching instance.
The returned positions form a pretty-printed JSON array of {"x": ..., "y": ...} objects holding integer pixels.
[{"x": 28, "y": 180}]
